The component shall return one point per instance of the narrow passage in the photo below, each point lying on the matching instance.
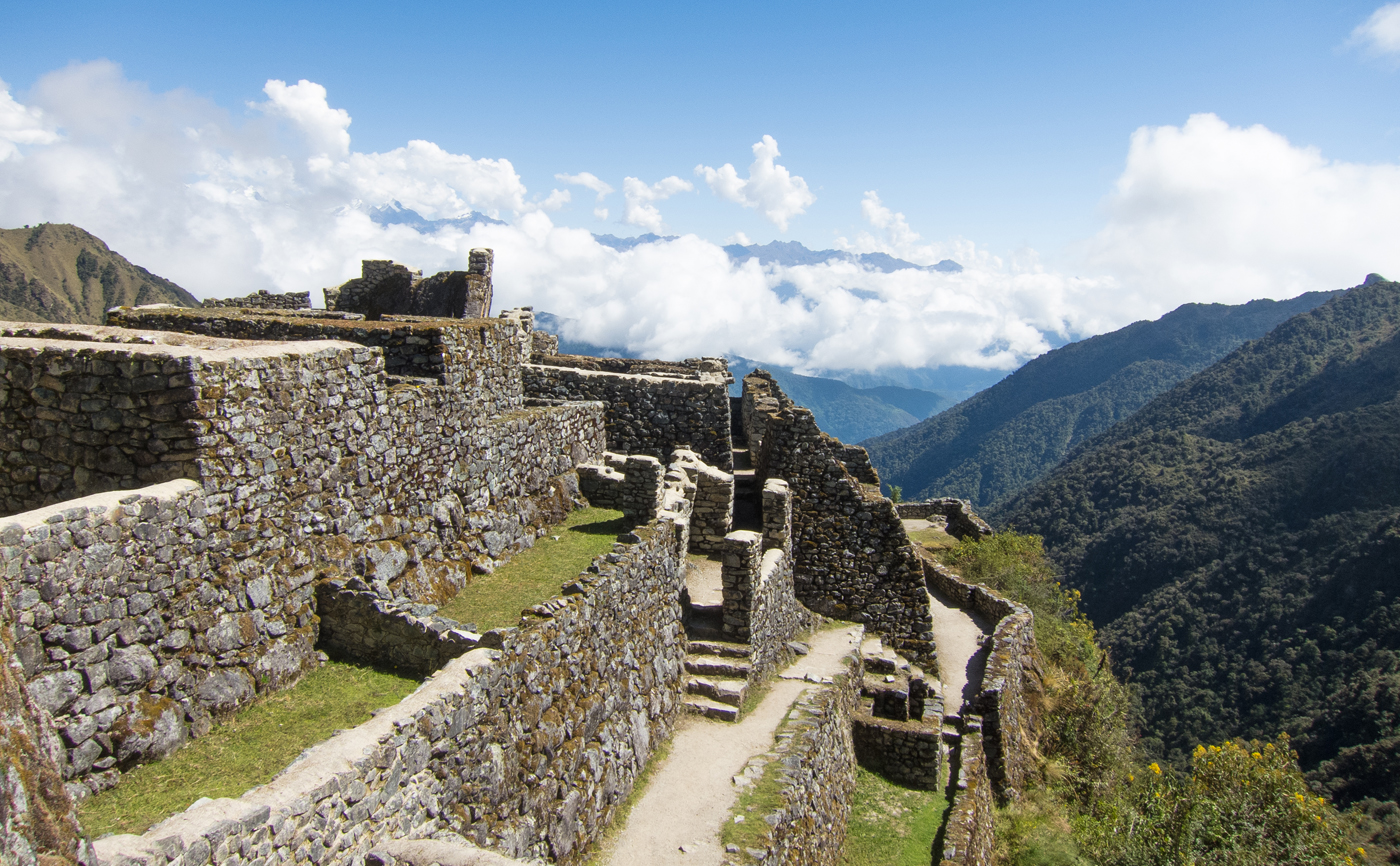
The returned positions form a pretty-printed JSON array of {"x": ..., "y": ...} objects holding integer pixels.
[
  {"x": 691, "y": 792},
  {"x": 958, "y": 635}
]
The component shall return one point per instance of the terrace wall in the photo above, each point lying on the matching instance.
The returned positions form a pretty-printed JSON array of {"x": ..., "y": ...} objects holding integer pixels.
[{"x": 527, "y": 749}]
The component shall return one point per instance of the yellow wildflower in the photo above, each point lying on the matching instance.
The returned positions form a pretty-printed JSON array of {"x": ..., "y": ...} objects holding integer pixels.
[{"x": 1154, "y": 768}]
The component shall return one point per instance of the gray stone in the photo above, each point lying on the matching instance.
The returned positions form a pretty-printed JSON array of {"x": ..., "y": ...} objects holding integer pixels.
[{"x": 131, "y": 668}]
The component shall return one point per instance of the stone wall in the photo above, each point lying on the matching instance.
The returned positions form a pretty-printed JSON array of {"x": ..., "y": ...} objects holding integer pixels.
[
  {"x": 777, "y": 515},
  {"x": 968, "y": 835},
  {"x": 962, "y": 521},
  {"x": 38, "y": 824},
  {"x": 852, "y": 557},
  {"x": 713, "y": 511},
  {"x": 528, "y": 748},
  {"x": 815, "y": 765},
  {"x": 760, "y": 608},
  {"x": 479, "y": 359},
  {"x": 627, "y": 483},
  {"x": 265, "y": 300},
  {"x": 646, "y": 413},
  {"x": 386, "y": 288},
  {"x": 359, "y": 624},
  {"x": 144, "y": 613},
  {"x": 898, "y": 724},
  {"x": 136, "y": 625}
]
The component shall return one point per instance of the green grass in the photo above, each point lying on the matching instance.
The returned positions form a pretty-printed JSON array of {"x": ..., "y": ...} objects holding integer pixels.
[
  {"x": 933, "y": 539},
  {"x": 246, "y": 750},
  {"x": 536, "y": 575},
  {"x": 891, "y": 825}
]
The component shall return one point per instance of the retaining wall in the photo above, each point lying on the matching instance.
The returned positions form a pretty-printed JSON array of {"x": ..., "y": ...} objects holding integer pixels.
[
  {"x": 527, "y": 749},
  {"x": 143, "y": 613},
  {"x": 962, "y": 521},
  {"x": 647, "y": 413},
  {"x": 816, "y": 768},
  {"x": 38, "y": 824},
  {"x": 968, "y": 837}
]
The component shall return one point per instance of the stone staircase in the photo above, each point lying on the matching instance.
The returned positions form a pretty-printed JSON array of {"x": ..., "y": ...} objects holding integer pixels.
[{"x": 717, "y": 678}]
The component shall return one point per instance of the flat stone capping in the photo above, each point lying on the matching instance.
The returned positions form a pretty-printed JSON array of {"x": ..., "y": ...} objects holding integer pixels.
[
  {"x": 164, "y": 344},
  {"x": 25, "y": 520},
  {"x": 299, "y": 786}
]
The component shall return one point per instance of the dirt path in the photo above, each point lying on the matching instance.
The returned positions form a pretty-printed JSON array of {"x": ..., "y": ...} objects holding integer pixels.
[
  {"x": 692, "y": 791},
  {"x": 958, "y": 635}
]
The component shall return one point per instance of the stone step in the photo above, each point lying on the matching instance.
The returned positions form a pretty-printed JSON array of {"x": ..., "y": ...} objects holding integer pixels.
[
  {"x": 722, "y": 689},
  {"x": 702, "y": 632},
  {"x": 711, "y": 709},
  {"x": 720, "y": 648},
  {"x": 717, "y": 666}
]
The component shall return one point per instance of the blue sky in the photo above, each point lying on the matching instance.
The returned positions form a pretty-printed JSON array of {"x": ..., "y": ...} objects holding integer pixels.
[{"x": 1004, "y": 125}]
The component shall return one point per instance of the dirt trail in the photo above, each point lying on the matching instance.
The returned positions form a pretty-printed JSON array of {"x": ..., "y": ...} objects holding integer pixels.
[
  {"x": 692, "y": 791},
  {"x": 958, "y": 636}
]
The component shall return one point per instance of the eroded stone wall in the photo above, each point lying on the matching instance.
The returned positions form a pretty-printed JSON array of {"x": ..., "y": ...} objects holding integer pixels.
[
  {"x": 969, "y": 836},
  {"x": 386, "y": 288},
  {"x": 527, "y": 749},
  {"x": 647, "y": 413},
  {"x": 852, "y": 557},
  {"x": 963, "y": 522},
  {"x": 265, "y": 300}
]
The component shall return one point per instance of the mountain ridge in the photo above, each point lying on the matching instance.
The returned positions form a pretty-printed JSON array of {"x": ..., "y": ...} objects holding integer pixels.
[
  {"x": 1001, "y": 439},
  {"x": 55, "y": 272}
]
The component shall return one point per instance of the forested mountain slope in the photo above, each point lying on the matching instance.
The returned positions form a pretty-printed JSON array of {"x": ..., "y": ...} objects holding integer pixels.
[
  {"x": 1238, "y": 539},
  {"x": 994, "y": 444},
  {"x": 60, "y": 273}
]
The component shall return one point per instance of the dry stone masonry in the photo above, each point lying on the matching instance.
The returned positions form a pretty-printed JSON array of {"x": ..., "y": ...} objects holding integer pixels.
[
  {"x": 265, "y": 300},
  {"x": 201, "y": 502}
]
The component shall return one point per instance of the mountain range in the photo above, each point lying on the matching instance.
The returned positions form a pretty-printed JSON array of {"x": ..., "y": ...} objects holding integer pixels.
[
  {"x": 60, "y": 273},
  {"x": 1238, "y": 540},
  {"x": 1002, "y": 439}
]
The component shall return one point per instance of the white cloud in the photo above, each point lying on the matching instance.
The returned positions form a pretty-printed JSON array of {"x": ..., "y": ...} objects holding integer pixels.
[
  {"x": 639, "y": 197},
  {"x": 1211, "y": 212},
  {"x": 1381, "y": 32},
  {"x": 588, "y": 180},
  {"x": 20, "y": 124},
  {"x": 224, "y": 207},
  {"x": 770, "y": 188},
  {"x": 304, "y": 103}
]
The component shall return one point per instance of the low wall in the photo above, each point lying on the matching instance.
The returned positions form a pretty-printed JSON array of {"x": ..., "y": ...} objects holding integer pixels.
[
  {"x": 359, "y": 624},
  {"x": 646, "y": 413},
  {"x": 631, "y": 484},
  {"x": 265, "y": 300},
  {"x": 713, "y": 511},
  {"x": 815, "y": 762},
  {"x": 962, "y": 521},
  {"x": 968, "y": 836},
  {"x": 527, "y": 749},
  {"x": 907, "y": 752}
]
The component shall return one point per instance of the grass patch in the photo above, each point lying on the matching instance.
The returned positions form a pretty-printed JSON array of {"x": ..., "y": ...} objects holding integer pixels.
[
  {"x": 933, "y": 539},
  {"x": 246, "y": 750},
  {"x": 891, "y": 825},
  {"x": 763, "y": 797},
  {"x": 535, "y": 575}
]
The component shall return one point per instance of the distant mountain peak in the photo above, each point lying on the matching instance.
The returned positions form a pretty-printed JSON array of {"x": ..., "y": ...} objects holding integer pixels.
[
  {"x": 792, "y": 254},
  {"x": 395, "y": 214}
]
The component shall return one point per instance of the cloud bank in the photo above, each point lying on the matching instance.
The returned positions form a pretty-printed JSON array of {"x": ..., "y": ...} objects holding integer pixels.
[
  {"x": 277, "y": 197},
  {"x": 1380, "y": 33}
]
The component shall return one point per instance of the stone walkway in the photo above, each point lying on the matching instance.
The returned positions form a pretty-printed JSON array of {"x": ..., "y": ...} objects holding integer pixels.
[
  {"x": 691, "y": 792},
  {"x": 958, "y": 635}
]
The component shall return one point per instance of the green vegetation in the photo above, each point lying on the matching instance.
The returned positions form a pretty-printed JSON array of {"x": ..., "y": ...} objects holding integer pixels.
[
  {"x": 247, "y": 749},
  {"x": 1099, "y": 801},
  {"x": 1001, "y": 440},
  {"x": 1240, "y": 538},
  {"x": 891, "y": 825},
  {"x": 535, "y": 575},
  {"x": 60, "y": 273}
]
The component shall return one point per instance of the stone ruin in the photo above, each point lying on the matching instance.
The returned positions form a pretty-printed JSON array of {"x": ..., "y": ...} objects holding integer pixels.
[
  {"x": 386, "y": 288},
  {"x": 199, "y": 502}
]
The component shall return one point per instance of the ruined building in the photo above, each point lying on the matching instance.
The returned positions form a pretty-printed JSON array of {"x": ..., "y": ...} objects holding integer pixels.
[{"x": 198, "y": 502}]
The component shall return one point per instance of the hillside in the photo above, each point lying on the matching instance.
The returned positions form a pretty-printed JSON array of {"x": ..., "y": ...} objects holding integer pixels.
[
  {"x": 60, "y": 273},
  {"x": 1238, "y": 539},
  {"x": 997, "y": 442}
]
